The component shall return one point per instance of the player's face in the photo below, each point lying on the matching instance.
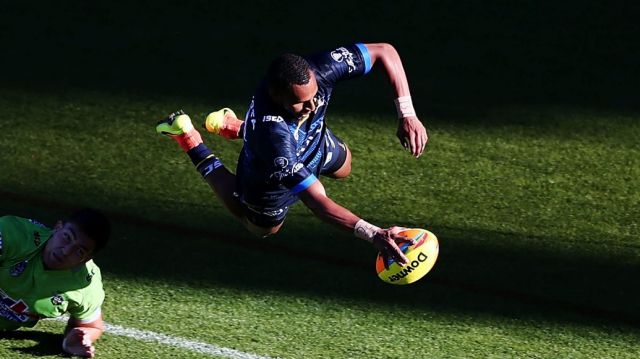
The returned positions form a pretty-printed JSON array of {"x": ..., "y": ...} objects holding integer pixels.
[
  {"x": 67, "y": 247},
  {"x": 300, "y": 99}
]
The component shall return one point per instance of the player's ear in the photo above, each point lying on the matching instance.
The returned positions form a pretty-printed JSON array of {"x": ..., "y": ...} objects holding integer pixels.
[{"x": 58, "y": 225}]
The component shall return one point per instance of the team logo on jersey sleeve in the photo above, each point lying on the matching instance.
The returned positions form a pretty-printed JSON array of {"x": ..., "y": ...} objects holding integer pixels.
[
  {"x": 57, "y": 299},
  {"x": 341, "y": 54}
]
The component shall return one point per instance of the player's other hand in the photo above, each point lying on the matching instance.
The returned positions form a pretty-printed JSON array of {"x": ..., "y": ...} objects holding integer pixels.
[
  {"x": 412, "y": 135},
  {"x": 386, "y": 241},
  {"x": 78, "y": 342}
]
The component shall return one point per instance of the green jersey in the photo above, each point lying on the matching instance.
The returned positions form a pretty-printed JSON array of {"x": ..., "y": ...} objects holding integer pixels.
[{"x": 29, "y": 292}]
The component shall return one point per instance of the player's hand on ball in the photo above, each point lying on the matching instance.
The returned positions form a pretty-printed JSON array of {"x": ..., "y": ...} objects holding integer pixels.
[
  {"x": 421, "y": 252},
  {"x": 413, "y": 135},
  {"x": 386, "y": 241},
  {"x": 77, "y": 342}
]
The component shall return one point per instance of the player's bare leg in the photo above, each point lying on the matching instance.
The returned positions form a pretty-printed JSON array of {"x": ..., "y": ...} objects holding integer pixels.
[{"x": 345, "y": 169}]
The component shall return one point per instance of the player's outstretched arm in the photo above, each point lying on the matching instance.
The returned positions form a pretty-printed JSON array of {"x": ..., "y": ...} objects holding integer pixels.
[
  {"x": 79, "y": 337},
  {"x": 326, "y": 209},
  {"x": 411, "y": 132}
]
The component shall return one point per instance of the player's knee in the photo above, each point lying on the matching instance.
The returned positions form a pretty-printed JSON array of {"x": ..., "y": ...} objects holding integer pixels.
[
  {"x": 343, "y": 172},
  {"x": 262, "y": 231},
  {"x": 266, "y": 232}
]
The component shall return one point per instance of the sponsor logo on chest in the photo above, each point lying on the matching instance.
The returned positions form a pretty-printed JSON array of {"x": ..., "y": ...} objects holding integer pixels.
[
  {"x": 270, "y": 118},
  {"x": 15, "y": 310}
]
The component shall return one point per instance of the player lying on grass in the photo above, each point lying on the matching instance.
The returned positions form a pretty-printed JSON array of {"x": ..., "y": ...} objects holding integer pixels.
[
  {"x": 287, "y": 144},
  {"x": 46, "y": 273}
]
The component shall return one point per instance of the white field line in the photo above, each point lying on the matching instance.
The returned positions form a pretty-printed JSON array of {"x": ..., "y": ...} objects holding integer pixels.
[{"x": 149, "y": 336}]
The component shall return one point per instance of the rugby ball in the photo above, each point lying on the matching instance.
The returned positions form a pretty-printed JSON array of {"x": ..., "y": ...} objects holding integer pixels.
[{"x": 422, "y": 256}]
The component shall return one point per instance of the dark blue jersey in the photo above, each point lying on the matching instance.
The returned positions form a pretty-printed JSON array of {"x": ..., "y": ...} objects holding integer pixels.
[{"x": 279, "y": 159}]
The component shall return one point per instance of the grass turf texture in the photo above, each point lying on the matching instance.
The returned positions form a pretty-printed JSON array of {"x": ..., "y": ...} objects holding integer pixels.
[{"x": 536, "y": 211}]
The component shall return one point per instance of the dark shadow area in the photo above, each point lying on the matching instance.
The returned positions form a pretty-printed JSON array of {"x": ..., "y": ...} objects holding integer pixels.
[
  {"x": 480, "y": 272},
  {"x": 471, "y": 276},
  {"x": 461, "y": 57},
  {"x": 47, "y": 344}
]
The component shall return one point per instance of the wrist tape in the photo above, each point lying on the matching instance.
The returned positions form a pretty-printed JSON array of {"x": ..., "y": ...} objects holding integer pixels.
[
  {"x": 365, "y": 230},
  {"x": 404, "y": 107}
]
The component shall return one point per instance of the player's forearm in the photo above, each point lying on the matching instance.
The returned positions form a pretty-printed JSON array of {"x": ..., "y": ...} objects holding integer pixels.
[
  {"x": 323, "y": 207},
  {"x": 333, "y": 213}
]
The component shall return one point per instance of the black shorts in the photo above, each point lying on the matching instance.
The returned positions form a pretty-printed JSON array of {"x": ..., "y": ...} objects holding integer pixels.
[
  {"x": 335, "y": 153},
  {"x": 265, "y": 218}
]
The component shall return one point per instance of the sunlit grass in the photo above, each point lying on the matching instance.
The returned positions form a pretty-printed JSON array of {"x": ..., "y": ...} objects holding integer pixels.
[{"x": 528, "y": 203}]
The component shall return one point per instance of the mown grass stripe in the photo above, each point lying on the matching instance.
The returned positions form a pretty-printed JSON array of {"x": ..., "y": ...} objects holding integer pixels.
[{"x": 149, "y": 336}]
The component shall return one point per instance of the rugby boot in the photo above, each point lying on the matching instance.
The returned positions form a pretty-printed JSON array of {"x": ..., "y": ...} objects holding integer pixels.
[
  {"x": 175, "y": 124},
  {"x": 224, "y": 123},
  {"x": 178, "y": 126}
]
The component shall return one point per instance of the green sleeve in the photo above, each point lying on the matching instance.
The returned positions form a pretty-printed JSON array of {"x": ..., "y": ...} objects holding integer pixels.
[
  {"x": 2, "y": 226},
  {"x": 6, "y": 232},
  {"x": 86, "y": 303},
  {"x": 20, "y": 238}
]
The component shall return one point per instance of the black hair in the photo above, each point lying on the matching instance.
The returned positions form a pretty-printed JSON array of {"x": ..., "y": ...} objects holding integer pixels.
[
  {"x": 94, "y": 224},
  {"x": 287, "y": 70}
]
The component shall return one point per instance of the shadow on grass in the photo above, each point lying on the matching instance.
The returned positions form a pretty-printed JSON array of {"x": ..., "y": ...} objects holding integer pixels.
[
  {"x": 47, "y": 344},
  {"x": 518, "y": 280},
  {"x": 482, "y": 272},
  {"x": 460, "y": 57},
  {"x": 477, "y": 272}
]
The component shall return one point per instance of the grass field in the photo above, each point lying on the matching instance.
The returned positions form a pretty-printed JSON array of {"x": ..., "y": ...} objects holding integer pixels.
[
  {"x": 536, "y": 209},
  {"x": 536, "y": 205}
]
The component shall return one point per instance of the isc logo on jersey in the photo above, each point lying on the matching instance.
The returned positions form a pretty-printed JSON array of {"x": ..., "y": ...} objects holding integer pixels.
[{"x": 270, "y": 118}]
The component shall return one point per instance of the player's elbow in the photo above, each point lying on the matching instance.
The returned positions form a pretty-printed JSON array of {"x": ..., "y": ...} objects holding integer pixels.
[
  {"x": 382, "y": 50},
  {"x": 387, "y": 47}
]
